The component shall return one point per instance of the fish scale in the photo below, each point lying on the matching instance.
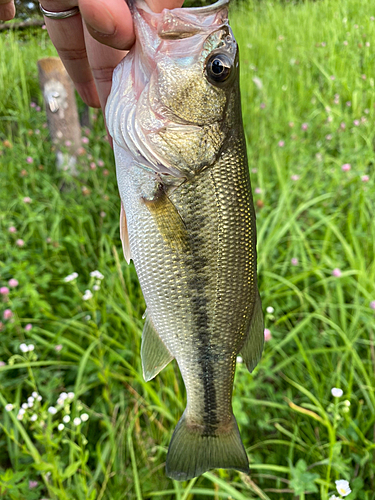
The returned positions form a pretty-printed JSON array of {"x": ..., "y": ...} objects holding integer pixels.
[{"x": 190, "y": 228}]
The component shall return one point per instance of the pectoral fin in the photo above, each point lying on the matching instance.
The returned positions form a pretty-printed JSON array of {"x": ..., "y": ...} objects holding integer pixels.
[
  {"x": 252, "y": 349},
  {"x": 169, "y": 221},
  {"x": 155, "y": 356},
  {"x": 124, "y": 235}
]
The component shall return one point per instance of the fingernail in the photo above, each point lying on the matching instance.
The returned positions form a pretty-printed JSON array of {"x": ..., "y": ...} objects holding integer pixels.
[{"x": 105, "y": 25}]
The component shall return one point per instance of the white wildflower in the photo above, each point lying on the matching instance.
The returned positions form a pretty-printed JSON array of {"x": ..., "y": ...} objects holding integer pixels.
[
  {"x": 96, "y": 288},
  {"x": 239, "y": 359},
  {"x": 84, "y": 417},
  {"x": 27, "y": 348},
  {"x": 337, "y": 393},
  {"x": 270, "y": 310},
  {"x": 52, "y": 410},
  {"x": 258, "y": 82},
  {"x": 87, "y": 295},
  {"x": 347, "y": 402},
  {"x": 30, "y": 404},
  {"x": 9, "y": 407},
  {"x": 60, "y": 401},
  {"x": 60, "y": 427},
  {"x": 63, "y": 395},
  {"x": 20, "y": 416},
  {"x": 97, "y": 274},
  {"x": 39, "y": 398},
  {"x": 25, "y": 406},
  {"x": 87, "y": 317},
  {"x": 34, "y": 394},
  {"x": 24, "y": 348},
  {"x": 71, "y": 277},
  {"x": 71, "y": 395},
  {"x": 66, "y": 419},
  {"x": 34, "y": 417},
  {"x": 343, "y": 487},
  {"x": 30, "y": 399},
  {"x": 334, "y": 497},
  {"x": 21, "y": 411},
  {"x": 77, "y": 421}
]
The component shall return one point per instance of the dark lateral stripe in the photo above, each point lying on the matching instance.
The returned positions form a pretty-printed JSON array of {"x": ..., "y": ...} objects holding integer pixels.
[{"x": 197, "y": 283}]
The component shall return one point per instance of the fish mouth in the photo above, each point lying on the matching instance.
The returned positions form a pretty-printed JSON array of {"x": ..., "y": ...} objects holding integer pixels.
[
  {"x": 206, "y": 9},
  {"x": 176, "y": 24}
]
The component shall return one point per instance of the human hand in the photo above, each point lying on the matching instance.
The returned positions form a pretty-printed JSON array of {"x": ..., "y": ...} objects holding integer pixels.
[
  {"x": 91, "y": 43},
  {"x": 7, "y": 10},
  {"x": 90, "y": 50}
]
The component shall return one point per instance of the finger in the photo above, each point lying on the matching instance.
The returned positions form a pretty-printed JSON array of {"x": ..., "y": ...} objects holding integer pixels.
[
  {"x": 103, "y": 60},
  {"x": 68, "y": 38},
  {"x": 7, "y": 10},
  {"x": 101, "y": 16},
  {"x": 109, "y": 22}
]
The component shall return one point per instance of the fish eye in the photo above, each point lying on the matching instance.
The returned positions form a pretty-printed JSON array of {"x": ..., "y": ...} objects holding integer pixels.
[{"x": 218, "y": 68}]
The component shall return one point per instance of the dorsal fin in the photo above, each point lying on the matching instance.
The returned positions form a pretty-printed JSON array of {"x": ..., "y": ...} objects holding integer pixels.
[{"x": 252, "y": 349}]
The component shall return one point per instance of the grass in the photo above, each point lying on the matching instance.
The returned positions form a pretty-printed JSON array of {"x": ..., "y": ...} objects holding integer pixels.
[{"x": 308, "y": 110}]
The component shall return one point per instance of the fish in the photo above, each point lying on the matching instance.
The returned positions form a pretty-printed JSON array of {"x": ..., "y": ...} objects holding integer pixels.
[{"x": 187, "y": 219}]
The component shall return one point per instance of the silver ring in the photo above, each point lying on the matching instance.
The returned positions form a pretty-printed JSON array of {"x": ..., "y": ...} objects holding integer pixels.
[{"x": 59, "y": 15}]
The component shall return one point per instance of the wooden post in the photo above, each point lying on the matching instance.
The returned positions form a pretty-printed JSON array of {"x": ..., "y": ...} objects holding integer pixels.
[{"x": 62, "y": 114}]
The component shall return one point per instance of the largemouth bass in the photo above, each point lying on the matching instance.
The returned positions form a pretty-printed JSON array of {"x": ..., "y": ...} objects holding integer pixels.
[{"x": 187, "y": 219}]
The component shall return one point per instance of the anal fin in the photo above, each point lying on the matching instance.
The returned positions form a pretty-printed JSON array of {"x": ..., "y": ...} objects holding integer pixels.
[
  {"x": 251, "y": 351},
  {"x": 124, "y": 235},
  {"x": 155, "y": 356}
]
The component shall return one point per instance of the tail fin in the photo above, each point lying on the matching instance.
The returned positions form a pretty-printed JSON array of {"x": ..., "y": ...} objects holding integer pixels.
[{"x": 191, "y": 452}]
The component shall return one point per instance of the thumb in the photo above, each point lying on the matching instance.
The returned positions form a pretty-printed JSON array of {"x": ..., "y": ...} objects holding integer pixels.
[{"x": 109, "y": 22}]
